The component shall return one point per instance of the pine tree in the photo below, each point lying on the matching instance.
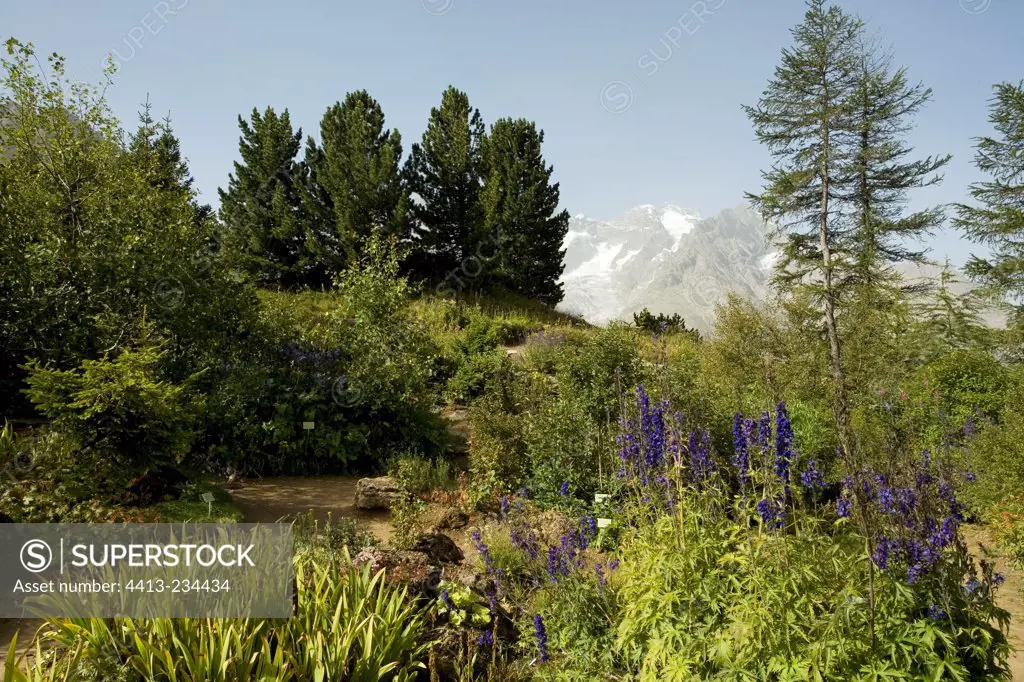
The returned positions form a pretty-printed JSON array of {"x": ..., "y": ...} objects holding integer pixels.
[
  {"x": 264, "y": 226},
  {"x": 997, "y": 219},
  {"x": 356, "y": 174},
  {"x": 803, "y": 118},
  {"x": 444, "y": 172},
  {"x": 520, "y": 245}
]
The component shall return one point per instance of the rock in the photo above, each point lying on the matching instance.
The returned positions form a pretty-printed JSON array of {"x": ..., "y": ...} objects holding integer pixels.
[
  {"x": 402, "y": 568},
  {"x": 452, "y": 519},
  {"x": 440, "y": 548},
  {"x": 458, "y": 428},
  {"x": 378, "y": 493}
]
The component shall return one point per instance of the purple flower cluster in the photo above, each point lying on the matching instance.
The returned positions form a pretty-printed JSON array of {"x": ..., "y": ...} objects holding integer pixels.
[
  {"x": 811, "y": 478},
  {"x": 772, "y": 512},
  {"x": 484, "y": 551},
  {"x": 541, "y": 636},
  {"x": 741, "y": 430},
  {"x": 525, "y": 540},
  {"x": 701, "y": 463},
  {"x": 566, "y": 556},
  {"x": 783, "y": 442},
  {"x": 303, "y": 356},
  {"x": 914, "y": 523}
]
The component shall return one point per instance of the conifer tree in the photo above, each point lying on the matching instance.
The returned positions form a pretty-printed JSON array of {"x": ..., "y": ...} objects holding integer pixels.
[
  {"x": 803, "y": 118},
  {"x": 356, "y": 174},
  {"x": 997, "y": 218},
  {"x": 444, "y": 172},
  {"x": 950, "y": 321},
  {"x": 523, "y": 231},
  {"x": 883, "y": 105},
  {"x": 264, "y": 227}
]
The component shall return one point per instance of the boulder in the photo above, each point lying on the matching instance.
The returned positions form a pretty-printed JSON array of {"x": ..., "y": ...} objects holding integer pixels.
[
  {"x": 452, "y": 519},
  {"x": 439, "y": 547},
  {"x": 378, "y": 493},
  {"x": 457, "y": 419},
  {"x": 402, "y": 568}
]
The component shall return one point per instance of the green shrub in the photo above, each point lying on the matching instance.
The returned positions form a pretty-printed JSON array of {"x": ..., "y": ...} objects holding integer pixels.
[
  {"x": 123, "y": 422},
  {"x": 331, "y": 389},
  {"x": 597, "y": 367},
  {"x": 419, "y": 474},
  {"x": 564, "y": 445},
  {"x": 581, "y": 620},
  {"x": 497, "y": 451}
]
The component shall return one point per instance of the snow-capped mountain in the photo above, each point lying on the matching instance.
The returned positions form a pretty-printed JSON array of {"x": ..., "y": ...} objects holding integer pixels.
[{"x": 664, "y": 258}]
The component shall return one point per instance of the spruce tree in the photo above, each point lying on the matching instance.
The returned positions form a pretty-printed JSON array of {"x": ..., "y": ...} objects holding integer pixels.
[
  {"x": 264, "y": 227},
  {"x": 444, "y": 172},
  {"x": 356, "y": 174},
  {"x": 520, "y": 245},
  {"x": 156, "y": 150},
  {"x": 997, "y": 218},
  {"x": 803, "y": 118}
]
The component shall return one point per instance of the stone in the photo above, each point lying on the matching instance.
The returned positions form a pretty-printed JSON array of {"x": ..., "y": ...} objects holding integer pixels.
[
  {"x": 378, "y": 493},
  {"x": 457, "y": 419},
  {"x": 453, "y": 519},
  {"x": 402, "y": 568},
  {"x": 439, "y": 547}
]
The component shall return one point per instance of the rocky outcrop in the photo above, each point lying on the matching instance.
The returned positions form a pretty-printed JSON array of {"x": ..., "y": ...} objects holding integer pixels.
[
  {"x": 452, "y": 520},
  {"x": 414, "y": 569},
  {"x": 440, "y": 548},
  {"x": 378, "y": 493}
]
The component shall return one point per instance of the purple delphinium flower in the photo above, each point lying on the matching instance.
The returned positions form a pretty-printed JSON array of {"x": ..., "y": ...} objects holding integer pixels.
[
  {"x": 542, "y": 638},
  {"x": 481, "y": 547},
  {"x": 881, "y": 553},
  {"x": 601, "y": 580},
  {"x": 504, "y": 507},
  {"x": 970, "y": 477},
  {"x": 998, "y": 579},
  {"x": 771, "y": 513},
  {"x": 811, "y": 478},
  {"x": 970, "y": 428},
  {"x": 935, "y": 613},
  {"x": 741, "y": 447},
  {"x": 526, "y": 542},
  {"x": 563, "y": 489},
  {"x": 446, "y": 599},
  {"x": 701, "y": 464},
  {"x": 844, "y": 508},
  {"x": 613, "y": 564},
  {"x": 553, "y": 563},
  {"x": 972, "y": 585},
  {"x": 783, "y": 442},
  {"x": 486, "y": 639}
]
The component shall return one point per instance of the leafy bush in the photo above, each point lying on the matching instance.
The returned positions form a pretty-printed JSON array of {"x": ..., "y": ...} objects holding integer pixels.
[
  {"x": 123, "y": 423},
  {"x": 596, "y": 368},
  {"x": 419, "y": 474},
  {"x": 359, "y": 373}
]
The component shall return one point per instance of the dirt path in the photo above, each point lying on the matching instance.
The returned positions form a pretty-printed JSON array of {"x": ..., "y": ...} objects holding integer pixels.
[
  {"x": 270, "y": 500},
  {"x": 1009, "y": 596}
]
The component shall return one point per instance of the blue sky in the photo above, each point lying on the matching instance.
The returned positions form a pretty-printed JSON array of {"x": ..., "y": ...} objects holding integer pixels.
[{"x": 676, "y": 134}]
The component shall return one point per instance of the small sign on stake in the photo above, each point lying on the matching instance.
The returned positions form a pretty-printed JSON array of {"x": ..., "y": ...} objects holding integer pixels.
[
  {"x": 600, "y": 497},
  {"x": 308, "y": 426},
  {"x": 208, "y": 499},
  {"x": 604, "y": 523}
]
